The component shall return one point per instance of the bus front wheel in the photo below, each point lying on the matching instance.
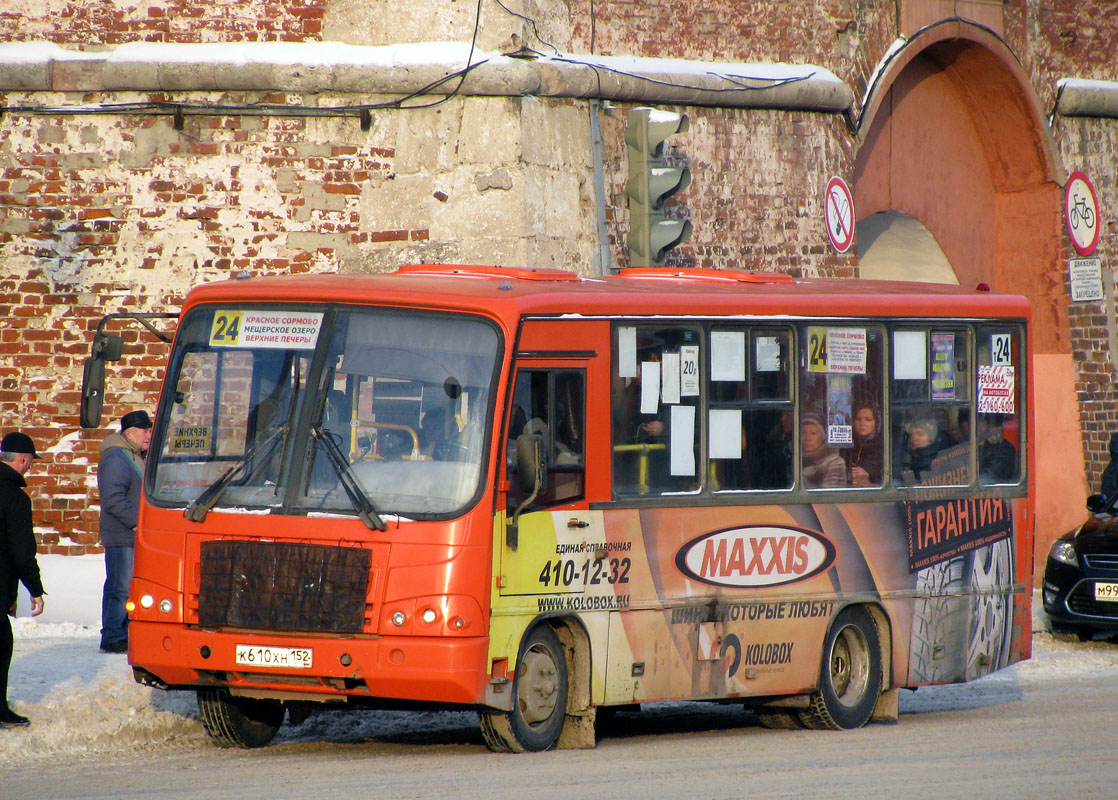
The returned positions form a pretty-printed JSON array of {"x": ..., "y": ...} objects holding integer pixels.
[
  {"x": 540, "y": 698},
  {"x": 239, "y": 721},
  {"x": 850, "y": 677}
]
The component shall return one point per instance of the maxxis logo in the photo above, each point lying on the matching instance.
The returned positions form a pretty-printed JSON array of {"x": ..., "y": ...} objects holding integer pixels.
[{"x": 755, "y": 556}]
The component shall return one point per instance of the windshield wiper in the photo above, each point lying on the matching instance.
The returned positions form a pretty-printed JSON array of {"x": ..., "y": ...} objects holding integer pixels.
[
  {"x": 201, "y": 505},
  {"x": 361, "y": 503}
]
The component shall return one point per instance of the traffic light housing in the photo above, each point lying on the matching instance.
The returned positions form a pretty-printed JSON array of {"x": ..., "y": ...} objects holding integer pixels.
[{"x": 651, "y": 182}]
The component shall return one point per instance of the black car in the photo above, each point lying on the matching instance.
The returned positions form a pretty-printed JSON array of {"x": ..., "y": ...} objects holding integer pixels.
[{"x": 1081, "y": 576}]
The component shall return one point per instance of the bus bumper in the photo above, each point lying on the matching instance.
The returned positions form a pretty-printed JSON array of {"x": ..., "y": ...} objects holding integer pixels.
[{"x": 405, "y": 668}]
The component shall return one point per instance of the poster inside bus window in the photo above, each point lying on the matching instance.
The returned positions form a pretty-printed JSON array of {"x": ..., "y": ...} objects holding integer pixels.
[
  {"x": 943, "y": 366},
  {"x": 996, "y": 390},
  {"x": 836, "y": 349}
]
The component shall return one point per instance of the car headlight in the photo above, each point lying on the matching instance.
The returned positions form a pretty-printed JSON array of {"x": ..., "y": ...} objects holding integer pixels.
[{"x": 1065, "y": 552}]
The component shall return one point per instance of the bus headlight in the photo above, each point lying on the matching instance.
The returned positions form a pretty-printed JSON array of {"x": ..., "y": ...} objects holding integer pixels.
[
  {"x": 147, "y": 601},
  {"x": 166, "y": 605},
  {"x": 398, "y": 618},
  {"x": 429, "y": 615}
]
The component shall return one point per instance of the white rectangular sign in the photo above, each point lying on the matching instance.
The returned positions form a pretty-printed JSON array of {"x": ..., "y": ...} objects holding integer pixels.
[{"x": 1085, "y": 276}]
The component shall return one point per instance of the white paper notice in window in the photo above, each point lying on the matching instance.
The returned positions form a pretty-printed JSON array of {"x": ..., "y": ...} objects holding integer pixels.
[
  {"x": 689, "y": 370},
  {"x": 768, "y": 354},
  {"x": 725, "y": 433},
  {"x": 727, "y": 356},
  {"x": 683, "y": 440},
  {"x": 627, "y": 352},
  {"x": 650, "y": 387},
  {"x": 669, "y": 378},
  {"x": 910, "y": 352}
]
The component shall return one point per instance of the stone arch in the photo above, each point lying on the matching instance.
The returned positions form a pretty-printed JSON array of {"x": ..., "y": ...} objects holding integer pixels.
[{"x": 952, "y": 135}]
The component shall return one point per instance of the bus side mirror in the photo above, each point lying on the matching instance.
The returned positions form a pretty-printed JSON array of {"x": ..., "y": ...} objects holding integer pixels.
[
  {"x": 106, "y": 347},
  {"x": 93, "y": 392},
  {"x": 532, "y": 474}
]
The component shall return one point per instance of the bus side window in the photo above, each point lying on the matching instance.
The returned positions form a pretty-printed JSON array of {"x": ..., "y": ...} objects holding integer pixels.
[
  {"x": 842, "y": 387},
  {"x": 997, "y": 426},
  {"x": 549, "y": 404},
  {"x": 749, "y": 426},
  {"x": 655, "y": 409},
  {"x": 931, "y": 433}
]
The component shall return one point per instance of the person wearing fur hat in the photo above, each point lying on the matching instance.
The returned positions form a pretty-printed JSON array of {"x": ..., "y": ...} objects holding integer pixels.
[
  {"x": 822, "y": 466},
  {"x": 923, "y": 445},
  {"x": 119, "y": 475}
]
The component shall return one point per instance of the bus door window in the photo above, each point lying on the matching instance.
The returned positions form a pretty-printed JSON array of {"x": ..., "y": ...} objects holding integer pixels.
[
  {"x": 931, "y": 407},
  {"x": 655, "y": 408},
  {"x": 549, "y": 404},
  {"x": 997, "y": 427},
  {"x": 842, "y": 388},
  {"x": 749, "y": 409}
]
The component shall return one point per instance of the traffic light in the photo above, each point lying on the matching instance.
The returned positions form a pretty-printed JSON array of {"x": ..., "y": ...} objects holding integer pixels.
[{"x": 651, "y": 182}]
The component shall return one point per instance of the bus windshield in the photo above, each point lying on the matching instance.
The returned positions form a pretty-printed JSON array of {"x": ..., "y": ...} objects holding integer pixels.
[{"x": 261, "y": 402}]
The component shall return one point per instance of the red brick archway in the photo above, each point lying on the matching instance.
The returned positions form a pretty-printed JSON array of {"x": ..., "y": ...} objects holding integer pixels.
[{"x": 952, "y": 135}]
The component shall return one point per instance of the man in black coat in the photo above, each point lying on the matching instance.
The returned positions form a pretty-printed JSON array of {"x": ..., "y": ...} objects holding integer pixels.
[{"x": 17, "y": 553}]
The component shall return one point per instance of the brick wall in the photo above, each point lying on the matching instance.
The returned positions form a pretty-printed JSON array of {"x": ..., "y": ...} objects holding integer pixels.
[{"x": 75, "y": 22}]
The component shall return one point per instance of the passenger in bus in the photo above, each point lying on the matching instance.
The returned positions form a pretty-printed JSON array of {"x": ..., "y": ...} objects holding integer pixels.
[
  {"x": 822, "y": 466},
  {"x": 865, "y": 461},
  {"x": 997, "y": 458},
  {"x": 922, "y": 447}
]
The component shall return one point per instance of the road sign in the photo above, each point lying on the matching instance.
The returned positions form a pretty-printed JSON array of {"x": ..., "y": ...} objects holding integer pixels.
[
  {"x": 838, "y": 213},
  {"x": 1081, "y": 212}
]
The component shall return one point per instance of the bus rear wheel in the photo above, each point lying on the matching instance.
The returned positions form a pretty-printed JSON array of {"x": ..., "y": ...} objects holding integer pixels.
[
  {"x": 540, "y": 698},
  {"x": 239, "y": 721},
  {"x": 850, "y": 678}
]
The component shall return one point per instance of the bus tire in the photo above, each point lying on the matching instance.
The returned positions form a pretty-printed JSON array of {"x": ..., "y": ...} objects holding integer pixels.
[
  {"x": 540, "y": 692},
  {"x": 850, "y": 676},
  {"x": 239, "y": 721}
]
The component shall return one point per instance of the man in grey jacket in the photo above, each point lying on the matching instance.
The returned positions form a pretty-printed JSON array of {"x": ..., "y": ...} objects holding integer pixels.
[{"x": 119, "y": 476}]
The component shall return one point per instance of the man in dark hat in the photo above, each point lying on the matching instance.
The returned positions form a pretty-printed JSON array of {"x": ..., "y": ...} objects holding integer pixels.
[
  {"x": 119, "y": 476},
  {"x": 17, "y": 553}
]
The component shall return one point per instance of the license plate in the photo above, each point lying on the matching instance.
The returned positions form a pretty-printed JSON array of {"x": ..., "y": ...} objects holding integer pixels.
[
  {"x": 1106, "y": 592},
  {"x": 251, "y": 655}
]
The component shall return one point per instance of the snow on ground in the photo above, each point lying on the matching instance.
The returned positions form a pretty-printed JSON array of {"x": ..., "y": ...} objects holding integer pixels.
[{"x": 84, "y": 702}]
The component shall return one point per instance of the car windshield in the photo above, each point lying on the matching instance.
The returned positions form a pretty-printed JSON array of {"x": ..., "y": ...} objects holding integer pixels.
[{"x": 259, "y": 403}]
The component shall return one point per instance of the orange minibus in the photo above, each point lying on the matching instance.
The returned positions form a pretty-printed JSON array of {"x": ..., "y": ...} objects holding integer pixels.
[{"x": 543, "y": 497}]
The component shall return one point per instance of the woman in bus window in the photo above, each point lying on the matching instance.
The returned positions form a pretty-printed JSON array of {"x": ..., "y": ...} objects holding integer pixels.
[
  {"x": 922, "y": 447},
  {"x": 822, "y": 466},
  {"x": 865, "y": 461}
]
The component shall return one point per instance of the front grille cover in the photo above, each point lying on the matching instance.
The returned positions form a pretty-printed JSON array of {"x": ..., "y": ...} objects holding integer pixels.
[{"x": 283, "y": 587}]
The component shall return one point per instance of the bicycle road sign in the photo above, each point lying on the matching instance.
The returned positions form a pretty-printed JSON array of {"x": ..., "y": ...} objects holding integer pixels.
[
  {"x": 1081, "y": 213},
  {"x": 838, "y": 214}
]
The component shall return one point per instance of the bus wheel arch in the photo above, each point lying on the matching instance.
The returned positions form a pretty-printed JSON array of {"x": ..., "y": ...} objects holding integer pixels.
[
  {"x": 851, "y": 672},
  {"x": 540, "y": 696}
]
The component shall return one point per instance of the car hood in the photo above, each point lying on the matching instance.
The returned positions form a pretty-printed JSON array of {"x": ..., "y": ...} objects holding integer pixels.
[{"x": 1098, "y": 535}]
